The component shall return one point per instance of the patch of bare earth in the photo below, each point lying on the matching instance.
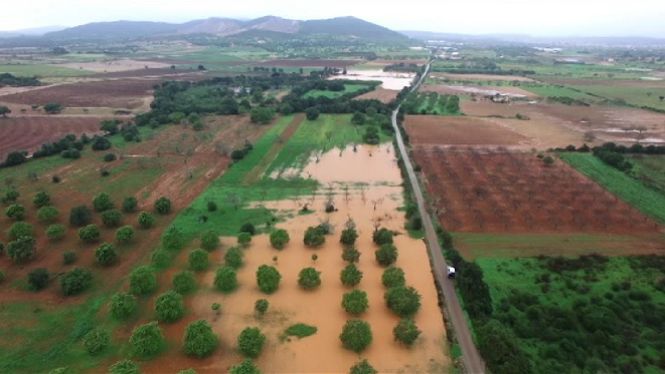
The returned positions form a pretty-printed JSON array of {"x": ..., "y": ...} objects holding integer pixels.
[{"x": 383, "y": 95}]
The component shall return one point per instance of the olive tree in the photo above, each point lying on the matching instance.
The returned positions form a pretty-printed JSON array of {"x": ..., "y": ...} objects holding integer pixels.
[
  {"x": 309, "y": 278},
  {"x": 111, "y": 218},
  {"x": 75, "y": 281},
  {"x": 21, "y": 250},
  {"x": 279, "y": 238},
  {"x": 268, "y": 278},
  {"x": 15, "y": 212},
  {"x": 106, "y": 254},
  {"x": 55, "y": 232},
  {"x": 147, "y": 340},
  {"x": 102, "y": 202},
  {"x": 356, "y": 335},
  {"x": 393, "y": 277},
  {"x": 261, "y": 306},
  {"x": 351, "y": 276},
  {"x": 226, "y": 279},
  {"x": 124, "y": 367},
  {"x": 41, "y": 199},
  {"x": 386, "y": 255},
  {"x": 173, "y": 239},
  {"x": 209, "y": 240},
  {"x": 362, "y": 367},
  {"x": 350, "y": 254},
  {"x": 349, "y": 236},
  {"x": 38, "y": 279},
  {"x": 146, "y": 220},
  {"x": 184, "y": 282},
  {"x": 382, "y": 236},
  {"x": 406, "y": 331},
  {"x": 163, "y": 206},
  {"x": 250, "y": 342},
  {"x": 89, "y": 233},
  {"x": 130, "y": 204},
  {"x": 48, "y": 214},
  {"x": 124, "y": 235},
  {"x": 122, "y": 305},
  {"x": 403, "y": 301},
  {"x": 199, "y": 340},
  {"x": 143, "y": 281},
  {"x": 314, "y": 237},
  {"x": 234, "y": 257},
  {"x": 80, "y": 216},
  {"x": 244, "y": 238},
  {"x": 198, "y": 260},
  {"x": 245, "y": 367},
  {"x": 169, "y": 307},
  {"x": 21, "y": 230},
  {"x": 355, "y": 302},
  {"x": 96, "y": 341}
]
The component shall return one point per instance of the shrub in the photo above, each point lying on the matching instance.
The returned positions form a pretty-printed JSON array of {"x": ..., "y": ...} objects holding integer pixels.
[
  {"x": 69, "y": 258},
  {"x": 279, "y": 238},
  {"x": 100, "y": 144},
  {"x": 314, "y": 237},
  {"x": 169, "y": 307},
  {"x": 406, "y": 331},
  {"x": 38, "y": 279},
  {"x": 245, "y": 367},
  {"x": 106, "y": 255},
  {"x": 102, "y": 202},
  {"x": 163, "y": 206},
  {"x": 403, "y": 301},
  {"x": 111, "y": 218},
  {"x": 350, "y": 254},
  {"x": 80, "y": 216},
  {"x": 124, "y": 367},
  {"x": 300, "y": 330},
  {"x": 209, "y": 240},
  {"x": 147, "y": 340},
  {"x": 96, "y": 341},
  {"x": 356, "y": 335},
  {"x": 130, "y": 204},
  {"x": 244, "y": 238},
  {"x": 261, "y": 306},
  {"x": 48, "y": 214},
  {"x": 382, "y": 236},
  {"x": 248, "y": 228},
  {"x": 226, "y": 279},
  {"x": 386, "y": 255},
  {"x": 233, "y": 257},
  {"x": 10, "y": 196},
  {"x": 142, "y": 281},
  {"x": 110, "y": 157},
  {"x": 124, "y": 234},
  {"x": 198, "y": 260},
  {"x": 200, "y": 341},
  {"x": 21, "y": 250},
  {"x": 75, "y": 281},
  {"x": 393, "y": 277},
  {"x": 55, "y": 232},
  {"x": 501, "y": 351},
  {"x": 146, "y": 220},
  {"x": 362, "y": 367},
  {"x": 351, "y": 276},
  {"x": 184, "y": 282},
  {"x": 262, "y": 115},
  {"x": 123, "y": 305},
  {"x": 250, "y": 342},
  {"x": 309, "y": 278},
  {"x": 2, "y": 276},
  {"x": 268, "y": 278},
  {"x": 89, "y": 234},
  {"x": 173, "y": 239},
  {"x": 312, "y": 114},
  {"x": 355, "y": 302},
  {"x": 15, "y": 212},
  {"x": 349, "y": 236},
  {"x": 41, "y": 199},
  {"x": 212, "y": 206},
  {"x": 20, "y": 230}
]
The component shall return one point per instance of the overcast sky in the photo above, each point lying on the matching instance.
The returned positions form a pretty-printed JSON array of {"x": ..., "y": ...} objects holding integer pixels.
[{"x": 535, "y": 17}]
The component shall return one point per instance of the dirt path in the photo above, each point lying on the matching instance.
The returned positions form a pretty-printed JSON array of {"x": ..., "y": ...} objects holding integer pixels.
[{"x": 473, "y": 363}]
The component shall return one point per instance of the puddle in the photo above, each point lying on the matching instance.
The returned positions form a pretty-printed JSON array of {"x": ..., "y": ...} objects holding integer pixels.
[{"x": 391, "y": 80}]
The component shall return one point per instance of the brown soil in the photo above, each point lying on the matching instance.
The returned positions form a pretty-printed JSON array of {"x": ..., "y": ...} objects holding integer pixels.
[
  {"x": 383, "y": 95},
  {"x": 308, "y": 63},
  {"x": 498, "y": 191},
  {"x": 480, "y": 77},
  {"x": 435, "y": 130},
  {"x": 449, "y": 89},
  {"x": 29, "y": 133}
]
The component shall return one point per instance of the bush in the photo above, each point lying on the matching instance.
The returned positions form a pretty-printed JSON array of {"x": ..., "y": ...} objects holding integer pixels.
[
  {"x": 111, "y": 218},
  {"x": 20, "y": 230},
  {"x": 163, "y": 206},
  {"x": 48, "y": 214},
  {"x": 110, "y": 157},
  {"x": 309, "y": 278},
  {"x": 75, "y": 281},
  {"x": 403, "y": 301},
  {"x": 199, "y": 340},
  {"x": 349, "y": 236},
  {"x": 244, "y": 238},
  {"x": 143, "y": 281},
  {"x": 38, "y": 279},
  {"x": 393, "y": 277},
  {"x": 41, "y": 199},
  {"x": 130, "y": 204},
  {"x": 173, "y": 239},
  {"x": 124, "y": 367},
  {"x": 2, "y": 277},
  {"x": 226, "y": 279},
  {"x": 386, "y": 255},
  {"x": 268, "y": 278},
  {"x": 250, "y": 342},
  {"x": 212, "y": 206},
  {"x": 382, "y": 236},
  {"x": 10, "y": 196},
  {"x": 89, "y": 234},
  {"x": 279, "y": 238},
  {"x": 80, "y": 216},
  {"x": 147, "y": 340},
  {"x": 350, "y": 254},
  {"x": 123, "y": 305},
  {"x": 262, "y": 115},
  {"x": 314, "y": 237},
  {"x": 362, "y": 367},
  {"x": 261, "y": 306},
  {"x": 312, "y": 114},
  {"x": 248, "y": 228},
  {"x": 198, "y": 260},
  {"x": 96, "y": 341},
  {"x": 55, "y": 232},
  {"x": 356, "y": 335},
  {"x": 501, "y": 350},
  {"x": 209, "y": 240},
  {"x": 21, "y": 250},
  {"x": 100, "y": 144},
  {"x": 355, "y": 302},
  {"x": 169, "y": 307},
  {"x": 184, "y": 282},
  {"x": 15, "y": 212},
  {"x": 69, "y": 258},
  {"x": 102, "y": 202},
  {"x": 406, "y": 331},
  {"x": 106, "y": 254},
  {"x": 233, "y": 257},
  {"x": 146, "y": 220},
  {"x": 245, "y": 367},
  {"x": 351, "y": 276},
  {"x": 124, "y": 234}
]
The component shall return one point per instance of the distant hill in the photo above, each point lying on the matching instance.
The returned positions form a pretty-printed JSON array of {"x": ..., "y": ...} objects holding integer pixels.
[
  {"x": 344, "y": 26},
  {"x": 36, "y": 31}
]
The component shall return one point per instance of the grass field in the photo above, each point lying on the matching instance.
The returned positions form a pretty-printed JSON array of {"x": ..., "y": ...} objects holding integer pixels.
[
  {"x": 546, "y": 90},
  {"x": 636, "y": 96},
  {"x": 632, "y": 191},
  {"x": 41, "y": 70},
  {"x": 348, "y": 89},
  {"x": 650, "y": 170}
]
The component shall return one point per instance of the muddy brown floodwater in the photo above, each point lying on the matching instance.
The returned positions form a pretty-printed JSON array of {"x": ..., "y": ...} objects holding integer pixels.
[{"x": 365, "y": 186}]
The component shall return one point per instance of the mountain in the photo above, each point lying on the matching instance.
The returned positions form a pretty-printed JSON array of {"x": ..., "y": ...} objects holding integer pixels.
[
  {"x": 345, "y": 26},
  {"x": 36, "y": 31}
]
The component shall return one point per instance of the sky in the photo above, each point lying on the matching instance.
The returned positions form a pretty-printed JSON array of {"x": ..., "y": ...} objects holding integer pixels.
[{"x": 532, "y": 17}]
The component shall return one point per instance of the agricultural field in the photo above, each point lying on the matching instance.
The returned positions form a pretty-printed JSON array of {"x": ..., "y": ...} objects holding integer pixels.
[
  {"x": 432, "y": 103},
  {"x": 349, "y": 89}
]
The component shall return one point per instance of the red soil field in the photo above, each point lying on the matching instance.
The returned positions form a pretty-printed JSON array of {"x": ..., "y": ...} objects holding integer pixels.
[
  {"x": 383, "y": 95},
  {"x": 29, "y": 133},
  {"x": 308, "y": 63},
  {"x": 459, "y": 131},
  {"x": 499, "y": 191}
]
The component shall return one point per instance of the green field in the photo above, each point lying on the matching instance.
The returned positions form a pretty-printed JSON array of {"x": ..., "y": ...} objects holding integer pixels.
[
  {"x": 41, "y": 70},
  {"x": 432, "y": 103},
  {"x": 547, "y": 90},
  {"x": 348, "y": 89},
  {"x": 636, "y": 96},
  {"x": 650, "y": 169},
  {"x": 647, "y": 200}
]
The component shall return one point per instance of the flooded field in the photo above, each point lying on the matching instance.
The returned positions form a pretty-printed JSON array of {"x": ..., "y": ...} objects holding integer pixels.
[{"x": 391, "y": 80}]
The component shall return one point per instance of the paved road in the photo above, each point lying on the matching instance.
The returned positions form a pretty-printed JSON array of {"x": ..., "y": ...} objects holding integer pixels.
[{"x": 473, "y": 363}]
